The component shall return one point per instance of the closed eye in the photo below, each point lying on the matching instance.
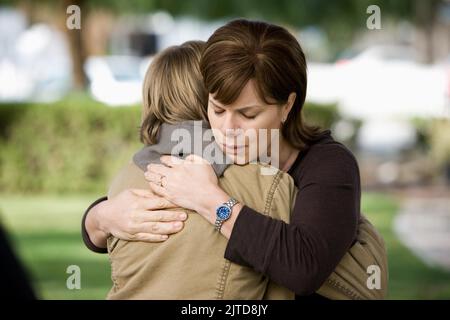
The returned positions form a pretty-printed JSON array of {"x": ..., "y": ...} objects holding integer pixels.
[
  {"x": 218, "y": 111},
  {"x": 249, "y": 116}
]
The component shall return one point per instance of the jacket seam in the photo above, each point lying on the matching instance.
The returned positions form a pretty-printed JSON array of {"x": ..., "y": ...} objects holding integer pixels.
[
  {"x": 271, "y": 193},
  {"x": 220, "y": 289},
  {"x": 268, "y": 206},
  {"x": 343, "y": 289},
  {"x": 113, "y": 275}
]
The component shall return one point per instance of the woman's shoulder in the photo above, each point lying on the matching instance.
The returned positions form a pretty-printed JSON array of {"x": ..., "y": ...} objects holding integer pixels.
[
  {"x": 328, "y": 158},
  {"x": 327, "y": 148}
]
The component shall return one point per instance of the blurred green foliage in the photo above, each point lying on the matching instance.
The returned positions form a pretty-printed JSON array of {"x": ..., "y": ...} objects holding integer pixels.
[
  {"x": 434, "y": 139},
  {"x": 439, "y": 137},
  {"x": 76, "y": 145},
  {"x": 322, "y": 115},
  {"x": 71, "y": 145}
]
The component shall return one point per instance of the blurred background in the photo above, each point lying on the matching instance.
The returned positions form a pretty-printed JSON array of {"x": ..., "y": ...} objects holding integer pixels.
[{"x": 70, "y": 111}]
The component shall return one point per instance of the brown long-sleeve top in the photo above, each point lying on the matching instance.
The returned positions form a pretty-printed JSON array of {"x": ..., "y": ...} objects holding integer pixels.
[{"x": 302, "y": 254}]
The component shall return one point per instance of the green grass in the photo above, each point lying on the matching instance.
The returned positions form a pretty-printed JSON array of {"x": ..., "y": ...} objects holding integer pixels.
[
  {"x": 46, "y": 233},
  {"x": 45, "y": 230},
  {"x": 409, "y": 277}
]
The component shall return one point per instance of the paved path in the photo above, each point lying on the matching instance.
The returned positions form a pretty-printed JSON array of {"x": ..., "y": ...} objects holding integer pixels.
[{"x": 423, "y": 225}]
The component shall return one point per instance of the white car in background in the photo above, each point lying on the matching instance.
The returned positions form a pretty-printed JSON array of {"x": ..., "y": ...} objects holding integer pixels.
[
  {"x": 384, "y": 87},
  {"x": 35, "y": 64},
  {"x": 382, "y": 81},
  {"x": 116, "y": 80}
]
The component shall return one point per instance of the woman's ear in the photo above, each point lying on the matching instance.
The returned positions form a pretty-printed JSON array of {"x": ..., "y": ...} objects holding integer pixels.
[{"x": 289, "y": 104}]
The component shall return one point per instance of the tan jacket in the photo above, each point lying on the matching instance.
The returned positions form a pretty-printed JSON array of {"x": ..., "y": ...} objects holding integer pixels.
[{"x": 190, "y": 264}]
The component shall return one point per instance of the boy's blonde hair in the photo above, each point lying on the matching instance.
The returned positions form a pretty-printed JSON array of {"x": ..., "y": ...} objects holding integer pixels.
[{"x": 173, "y": 89}]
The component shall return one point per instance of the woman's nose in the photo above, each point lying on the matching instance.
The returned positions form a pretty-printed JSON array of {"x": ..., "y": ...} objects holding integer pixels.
[{"x": 231, "y": 126}]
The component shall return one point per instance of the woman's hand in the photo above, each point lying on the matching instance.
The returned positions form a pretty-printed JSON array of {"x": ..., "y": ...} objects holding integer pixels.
[
  {"x": 135, "y": 215},
  {"x": 190, "y": 183}
]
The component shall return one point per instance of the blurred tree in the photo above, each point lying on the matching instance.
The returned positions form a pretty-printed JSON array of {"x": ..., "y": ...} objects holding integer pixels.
[
  {"x": 341, "y": 20},
  {"x": 77, "y": 50},
  {"x": 425, "y": 18},
  {"x": 33, "y": 10}
]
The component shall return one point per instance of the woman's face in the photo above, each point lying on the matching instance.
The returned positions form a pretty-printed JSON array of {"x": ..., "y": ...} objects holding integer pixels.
[{"x": 247, "y": 129}]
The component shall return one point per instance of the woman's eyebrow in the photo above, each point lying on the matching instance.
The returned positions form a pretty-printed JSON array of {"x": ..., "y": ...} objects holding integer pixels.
[
  {"x": 240, "y": 109},
  {"x": 256, "y": 106}
]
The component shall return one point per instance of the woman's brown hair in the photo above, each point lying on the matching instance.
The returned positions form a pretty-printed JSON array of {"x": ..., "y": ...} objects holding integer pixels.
[
  {"x": 243, "y": 50},
  {"x": 173, "y": 89}
]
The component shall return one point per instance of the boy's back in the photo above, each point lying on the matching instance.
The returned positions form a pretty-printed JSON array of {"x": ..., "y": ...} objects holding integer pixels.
[{"x": 190, "y": 264}]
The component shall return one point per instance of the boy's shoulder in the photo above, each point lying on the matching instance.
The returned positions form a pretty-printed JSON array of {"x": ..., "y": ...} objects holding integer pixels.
[{"x": 130, "y": 176}]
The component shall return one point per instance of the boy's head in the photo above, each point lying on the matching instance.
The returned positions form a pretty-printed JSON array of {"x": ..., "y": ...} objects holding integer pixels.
[{"x": 173, "y": 89}]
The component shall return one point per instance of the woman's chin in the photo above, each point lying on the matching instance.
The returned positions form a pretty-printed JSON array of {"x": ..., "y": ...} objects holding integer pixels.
[{"x": 240, "y": 159}]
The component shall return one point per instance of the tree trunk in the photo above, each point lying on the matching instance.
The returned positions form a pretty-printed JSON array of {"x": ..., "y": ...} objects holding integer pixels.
[
  {"x": 426, "y": 12},
  {"x": 77, "y": 50}
]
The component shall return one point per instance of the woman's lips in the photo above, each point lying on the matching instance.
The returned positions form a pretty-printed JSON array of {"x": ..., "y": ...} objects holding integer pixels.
[{"x": 232, "y": 148}]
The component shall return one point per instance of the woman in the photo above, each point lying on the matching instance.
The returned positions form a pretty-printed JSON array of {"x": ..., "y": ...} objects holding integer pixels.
[
  {"x": 174, "y": 105},
  {"x": 256, "y": 77}
]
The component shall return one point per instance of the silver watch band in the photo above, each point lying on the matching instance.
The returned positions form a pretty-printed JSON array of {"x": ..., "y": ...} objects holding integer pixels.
[
  {"x": 231, "y": 202},
  {"x": 219, "y": 222}
]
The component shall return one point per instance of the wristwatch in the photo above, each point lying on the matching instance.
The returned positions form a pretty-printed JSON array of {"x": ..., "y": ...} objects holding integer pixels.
[{"x": 223, "y": 212}]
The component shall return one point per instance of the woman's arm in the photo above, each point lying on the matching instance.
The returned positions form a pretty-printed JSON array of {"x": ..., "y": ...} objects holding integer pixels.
[
  {"x": 299, "y": 255},
  {"x": 302, "y": 254},
  {"x": 133, "y": 215},
  {"x": 93, "y": 237}
]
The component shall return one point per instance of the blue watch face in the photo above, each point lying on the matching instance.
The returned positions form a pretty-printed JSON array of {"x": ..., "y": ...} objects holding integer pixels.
[{"x": 223, "y": 212}]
